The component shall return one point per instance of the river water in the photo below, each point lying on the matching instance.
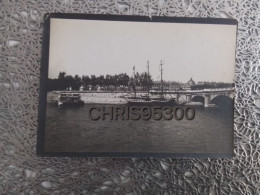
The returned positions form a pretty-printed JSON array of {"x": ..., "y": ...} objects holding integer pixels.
[{"x": 69, "y": 129}]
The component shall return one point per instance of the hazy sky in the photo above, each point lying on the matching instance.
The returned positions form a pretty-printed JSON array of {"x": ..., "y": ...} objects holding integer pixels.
[{"x": 204, "y": 52}]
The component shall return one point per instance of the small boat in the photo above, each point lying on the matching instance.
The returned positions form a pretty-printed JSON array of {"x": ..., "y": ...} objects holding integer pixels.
[{"x": 69, "y": 99}]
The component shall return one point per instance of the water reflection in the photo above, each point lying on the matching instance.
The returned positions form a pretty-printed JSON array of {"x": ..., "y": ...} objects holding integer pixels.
[{"x": 70, "y": 130}]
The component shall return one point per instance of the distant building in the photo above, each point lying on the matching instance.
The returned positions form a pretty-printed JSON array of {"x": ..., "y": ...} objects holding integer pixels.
[
  {"x": 187, "y": 86},
  {"x": 167, "y": 86},
  {"x": 191, "y": 82},
  {"x": 206, "y": 83},
  {"x": 210, "y": 83}
]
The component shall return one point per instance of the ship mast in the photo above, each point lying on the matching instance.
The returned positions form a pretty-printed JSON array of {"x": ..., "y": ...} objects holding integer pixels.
[
  {"x": 161, "y": 70},
  {"x": 148, "y": 77},
  {"x": 134, "y": 81}
]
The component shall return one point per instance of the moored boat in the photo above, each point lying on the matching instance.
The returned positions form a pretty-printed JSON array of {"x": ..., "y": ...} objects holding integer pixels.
[
  {"x": 147, "y": 99},
  {"x": 152, "y": 102},
  {"x": 69, "y": 99}
]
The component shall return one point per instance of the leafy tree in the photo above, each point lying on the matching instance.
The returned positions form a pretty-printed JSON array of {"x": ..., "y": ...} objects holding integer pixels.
[
  {"x": 145, "y": 81},
  {"x": 62, "y": 75},
  {"x": 123, "y": 79},
  {"x": 109, "y": 82},
  {"x": 101, "y": 80},
  {"x": 76, "y": 82},
  {"x": 85, "y": 81},
  {"x": 93, "y": 80},
  {"x": 61, "y": 81},
  {"x": 69, "y": 80}
]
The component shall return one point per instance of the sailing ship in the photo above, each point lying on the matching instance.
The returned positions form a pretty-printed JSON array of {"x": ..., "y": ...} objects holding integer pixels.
[{"x": 147, "y": 99}]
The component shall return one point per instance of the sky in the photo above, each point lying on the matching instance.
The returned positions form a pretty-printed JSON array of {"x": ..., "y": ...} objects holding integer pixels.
[{"x": 204, "y": 52}]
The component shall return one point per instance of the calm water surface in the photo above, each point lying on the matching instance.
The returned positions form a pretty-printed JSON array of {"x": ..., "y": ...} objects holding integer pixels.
[{"x": 70, "y": 130}]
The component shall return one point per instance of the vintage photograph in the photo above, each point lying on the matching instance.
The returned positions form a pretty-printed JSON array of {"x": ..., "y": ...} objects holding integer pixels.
[{"x": 139, "y": 87}]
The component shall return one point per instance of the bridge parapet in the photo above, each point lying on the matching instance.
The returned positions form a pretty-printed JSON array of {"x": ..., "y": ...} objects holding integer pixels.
[
  {"x": 210, "y": 90},
  {"x": 207, "y": 94},
  {"x": 220, "y": 90}
]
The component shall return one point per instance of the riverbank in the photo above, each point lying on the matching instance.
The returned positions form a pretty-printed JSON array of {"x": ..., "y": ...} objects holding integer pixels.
[
  {"x": 95, "y": 97},
  {"x": 98, "y": 97}
]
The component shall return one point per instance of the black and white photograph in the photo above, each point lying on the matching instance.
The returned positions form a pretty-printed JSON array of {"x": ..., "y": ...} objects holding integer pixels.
[{"x": 155, "y": 88}]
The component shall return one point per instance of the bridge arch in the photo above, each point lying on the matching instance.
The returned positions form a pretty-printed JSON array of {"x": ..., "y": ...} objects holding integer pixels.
[
  {"x": 198, "y": 98},
  {"x": 222, "y": 101}
]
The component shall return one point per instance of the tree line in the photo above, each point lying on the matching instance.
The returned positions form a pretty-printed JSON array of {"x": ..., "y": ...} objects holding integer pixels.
[{"x": 121, "y": 81}]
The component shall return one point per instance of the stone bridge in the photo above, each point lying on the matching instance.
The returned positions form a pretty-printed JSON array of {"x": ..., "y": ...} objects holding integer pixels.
[{"x": 207, "y": 94}]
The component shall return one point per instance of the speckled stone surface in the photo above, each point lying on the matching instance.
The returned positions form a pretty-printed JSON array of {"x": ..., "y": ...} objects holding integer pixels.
[{"x": 21, "y": 172}]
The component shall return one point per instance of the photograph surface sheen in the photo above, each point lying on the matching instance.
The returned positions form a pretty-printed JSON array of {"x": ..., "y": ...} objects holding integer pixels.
[{"x": 140, "y": 88}]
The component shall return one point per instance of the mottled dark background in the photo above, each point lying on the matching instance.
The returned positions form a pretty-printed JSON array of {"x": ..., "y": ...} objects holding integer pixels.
[{"x": 21, "y": 172}]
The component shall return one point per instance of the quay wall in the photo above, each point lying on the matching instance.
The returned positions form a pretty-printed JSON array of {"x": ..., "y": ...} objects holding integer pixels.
[
  {"x": 93, "y": 97},
  {"x": 97, "y": 97}
]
